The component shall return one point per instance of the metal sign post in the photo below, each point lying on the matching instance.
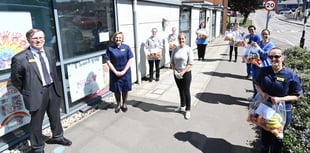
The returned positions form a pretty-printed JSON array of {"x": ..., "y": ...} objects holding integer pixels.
[
  {"x": 302, "y": 39},
  {"x": 269, "y": 5},
  {"x": 268, "y": 18}
]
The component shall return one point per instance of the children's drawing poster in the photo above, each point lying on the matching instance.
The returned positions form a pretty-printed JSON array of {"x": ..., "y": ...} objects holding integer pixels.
[{"x": 12, "y": 35}]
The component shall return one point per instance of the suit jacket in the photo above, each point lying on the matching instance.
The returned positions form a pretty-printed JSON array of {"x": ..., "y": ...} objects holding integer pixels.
[{"x": 25, "y": 76}]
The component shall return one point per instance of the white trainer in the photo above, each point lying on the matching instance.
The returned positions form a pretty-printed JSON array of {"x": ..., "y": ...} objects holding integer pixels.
[
  {"x": 180, "y": 109},
  {"x": 187, "y": 115}
]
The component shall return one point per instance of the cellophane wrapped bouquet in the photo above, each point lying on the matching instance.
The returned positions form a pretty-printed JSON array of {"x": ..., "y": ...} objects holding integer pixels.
[
  {"x": 229, "y": 36},
  {"x": 251, "y": 55},
  {"x": 271, "y": 117}
]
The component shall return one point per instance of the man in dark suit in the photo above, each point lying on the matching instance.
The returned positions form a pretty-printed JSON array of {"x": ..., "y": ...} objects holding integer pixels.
[{"x": 33, "y": 73}]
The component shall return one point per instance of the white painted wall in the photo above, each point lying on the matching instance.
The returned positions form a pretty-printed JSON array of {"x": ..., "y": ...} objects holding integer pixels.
[
  {"x": 195, "y": 25},
  {"x": 209, "y": 23},
  {"x": 150, "y": 15},
  {"x": 125, "y": 21},
  {"x": 218, "y": 23}
]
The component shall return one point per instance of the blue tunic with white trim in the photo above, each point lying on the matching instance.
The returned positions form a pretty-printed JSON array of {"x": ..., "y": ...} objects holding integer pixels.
[{"x": 119, "y": 58}]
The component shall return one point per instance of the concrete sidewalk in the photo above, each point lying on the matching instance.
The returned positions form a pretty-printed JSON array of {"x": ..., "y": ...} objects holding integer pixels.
[
  {"x": 218, "y": 124},
  {"x": 166, "y": 89}
]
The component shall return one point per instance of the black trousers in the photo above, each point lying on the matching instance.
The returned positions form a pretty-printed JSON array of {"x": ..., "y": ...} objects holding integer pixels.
[
  {"x": 151, "y": 65},
  {"x": 50, "y": 105},
  {"x": 231, "y": 48},
  {"x": 184, "y": 89},
  {"x": 201, "y": 51},
  {"x": 270, "y": 143}
]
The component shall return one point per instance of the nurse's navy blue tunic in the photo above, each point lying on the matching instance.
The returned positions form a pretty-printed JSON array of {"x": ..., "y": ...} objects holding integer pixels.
[{"x": 119, "y": 58}]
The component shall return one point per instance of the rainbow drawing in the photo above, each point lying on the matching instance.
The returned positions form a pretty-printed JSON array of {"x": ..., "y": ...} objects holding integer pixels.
[
  {"x": 13, "y": 117},
  {"x": 10, "y": 44}
]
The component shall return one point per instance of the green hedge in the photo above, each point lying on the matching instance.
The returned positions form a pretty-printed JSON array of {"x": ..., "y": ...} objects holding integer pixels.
[{"x": 297, "y": 135}]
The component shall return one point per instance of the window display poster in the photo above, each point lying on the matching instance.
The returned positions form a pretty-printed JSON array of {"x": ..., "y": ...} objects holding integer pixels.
[
  {"x": 13, "y": 113},
  {"x": 87, "y": 77},
  {"x": 12, "y": 35},
  {"x": 103, "y": 36}
]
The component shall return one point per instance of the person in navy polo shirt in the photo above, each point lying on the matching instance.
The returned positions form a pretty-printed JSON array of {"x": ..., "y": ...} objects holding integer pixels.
[{"x": 277, "y": 83}]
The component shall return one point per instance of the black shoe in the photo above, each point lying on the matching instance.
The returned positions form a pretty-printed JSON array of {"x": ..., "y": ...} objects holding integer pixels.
[
  {"x": 150, "y": 80},
  {"x": 117, "y": 108},
  {"x": 36, "y": 151},
  {"x": 64, "y": 141},
  {"x": 124, "y": 108},
  {"x": 157, "y": 79}
]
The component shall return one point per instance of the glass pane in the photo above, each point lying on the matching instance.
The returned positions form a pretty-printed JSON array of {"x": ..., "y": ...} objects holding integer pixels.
[
  {"x": 202, "y": 16},
  {"x": 85, "y": 26},
  {"x": 17, "y": 17},
  {"x": 85, "y": 86}
]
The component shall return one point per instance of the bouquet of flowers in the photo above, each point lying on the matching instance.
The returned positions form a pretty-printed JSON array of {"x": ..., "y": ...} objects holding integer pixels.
[
  {"x": 253, "y": 56},
  {"x": 269, "y": 116},
  {"x": 154, "y": 53},
  {"x": 229, "y": 36},
  {"x": 202, "y": 34},
  {"x": 172, "y": 45},
  {"x": 239, "y": 41}
]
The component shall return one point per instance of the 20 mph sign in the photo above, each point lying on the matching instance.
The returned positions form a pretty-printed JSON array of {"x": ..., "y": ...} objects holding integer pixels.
[{"x": 270, "y": 5}]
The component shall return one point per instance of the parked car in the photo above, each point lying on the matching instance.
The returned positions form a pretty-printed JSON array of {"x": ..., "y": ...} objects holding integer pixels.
[
  {"x": 286, "y": 11},
  {"x": 84, "y": 22}
]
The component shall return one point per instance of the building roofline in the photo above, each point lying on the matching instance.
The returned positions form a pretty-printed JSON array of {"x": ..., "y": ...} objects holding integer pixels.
[{"x": 197, "y": 2}]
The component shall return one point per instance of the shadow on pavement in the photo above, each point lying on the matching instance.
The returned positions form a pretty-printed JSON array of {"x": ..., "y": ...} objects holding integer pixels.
[
  {"x": 256, "y": 143},
  {"x": 215, "y": 98},
  {"x": 213, "y": 60},
  {"x": 216, "y": 45},
  {"x": 210, "y": 145},
  {"x": 144, "y": 106},
  {"x": 225, "y": 75}
]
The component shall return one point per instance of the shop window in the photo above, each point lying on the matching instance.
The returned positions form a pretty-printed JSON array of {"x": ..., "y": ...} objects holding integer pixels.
[
  {"x": 202, "y": 16},
  {"x": 85, "y": 26},
  {"x": 185, "y": 25},
  {"x": 17, "y": 17}
]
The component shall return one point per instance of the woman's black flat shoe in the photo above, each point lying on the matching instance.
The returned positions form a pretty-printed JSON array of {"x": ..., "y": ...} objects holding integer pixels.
[
  {"x": 124, "y": 109},
  {"x": 117, "y": 109}
]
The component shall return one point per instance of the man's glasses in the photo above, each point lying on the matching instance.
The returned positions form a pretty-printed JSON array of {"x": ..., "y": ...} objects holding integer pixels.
[
  {"x": 37, "y": 38},
  {"x": 274, "y": 56},
  {"x": 251, "y": 29}
]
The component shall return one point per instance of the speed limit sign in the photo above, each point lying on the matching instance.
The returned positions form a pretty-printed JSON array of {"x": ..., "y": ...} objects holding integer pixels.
[{"x": 270, "y": 5}]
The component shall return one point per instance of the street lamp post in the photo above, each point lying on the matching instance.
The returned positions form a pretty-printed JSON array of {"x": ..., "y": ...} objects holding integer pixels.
[{"x": 302, "y": 39}]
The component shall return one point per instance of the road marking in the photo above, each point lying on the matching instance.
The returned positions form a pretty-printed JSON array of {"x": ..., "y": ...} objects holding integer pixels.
[
  {"x": 59, "y": 149},
  {"x": 292, "y": 44}
]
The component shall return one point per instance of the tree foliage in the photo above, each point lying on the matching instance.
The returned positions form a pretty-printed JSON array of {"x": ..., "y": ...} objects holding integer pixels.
[
  {"x": 244, "y": 7},
  {"x": 298, "y": 133}
]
